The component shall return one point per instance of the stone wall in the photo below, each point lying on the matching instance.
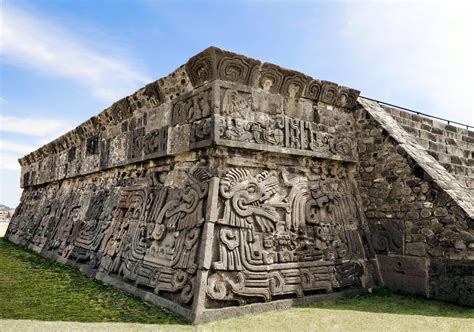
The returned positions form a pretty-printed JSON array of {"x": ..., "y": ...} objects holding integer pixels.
[
  {"x": 225, "y": 188},
  {"x": 174, "y": 114},
  {"x": 422, "y": 230},
  {"x": 451, "y": 146},
  {"x": 234, "y": 186}
]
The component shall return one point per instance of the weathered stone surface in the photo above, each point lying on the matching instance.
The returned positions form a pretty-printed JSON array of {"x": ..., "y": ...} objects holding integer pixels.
[
  {"x": 450, "y": 145},
  {"x": 452, "y": 281},
  {"x": 405, "y": 273},
  {"x": 233, "y": 186},
  {"x": 434, "y": 206}
]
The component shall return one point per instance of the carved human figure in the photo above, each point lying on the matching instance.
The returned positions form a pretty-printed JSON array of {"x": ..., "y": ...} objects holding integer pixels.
[
  {"x": 204, "y": 105},
  {"x": 40, "y": 232},
  {"x": 235, "y": 105},
  {"x": 293, "y": 89},
  {"x": 235, "y": 129},
  {"x": 267, "y": 83}
]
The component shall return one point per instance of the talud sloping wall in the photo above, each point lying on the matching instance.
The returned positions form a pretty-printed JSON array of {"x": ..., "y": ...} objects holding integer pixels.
[
  {"x": 420, "y": 211},
  {"x": 227, "y": 187},
  {"x": 451, "y": 146},
  {"x": 234, "y": 186}
]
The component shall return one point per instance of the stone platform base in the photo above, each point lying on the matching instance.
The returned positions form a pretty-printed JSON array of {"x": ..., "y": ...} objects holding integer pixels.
[
  {"x": 233, "y": 186},
  {"x": 200, "y": 316}
]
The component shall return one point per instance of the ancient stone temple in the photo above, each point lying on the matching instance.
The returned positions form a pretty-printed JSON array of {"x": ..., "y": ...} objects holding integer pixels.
[{"x": 234, "y": 186}]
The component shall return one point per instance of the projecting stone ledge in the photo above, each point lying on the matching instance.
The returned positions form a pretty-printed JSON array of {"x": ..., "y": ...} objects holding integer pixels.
[
  {"x": 234, "y": 186},
  {"x": 216, "y": 98}
]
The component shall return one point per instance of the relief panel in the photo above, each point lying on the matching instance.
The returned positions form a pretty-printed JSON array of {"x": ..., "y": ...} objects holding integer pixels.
[
  {"x": 147, "y": 236},
  {"x": 282, "y": 234}
]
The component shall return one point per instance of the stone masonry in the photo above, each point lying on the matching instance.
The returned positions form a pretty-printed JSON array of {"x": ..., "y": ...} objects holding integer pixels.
[{"x": 233, "y": 186}]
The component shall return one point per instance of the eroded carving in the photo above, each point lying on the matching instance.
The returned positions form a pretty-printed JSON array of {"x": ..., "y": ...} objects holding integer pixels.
[
  {"x": 387, "y": 236},
  {"x": 156, "y": 141},
  {"x": 280, "y": 234},
  {"x": 286, "y": 132},
  {"x": 193, "y": 108}
]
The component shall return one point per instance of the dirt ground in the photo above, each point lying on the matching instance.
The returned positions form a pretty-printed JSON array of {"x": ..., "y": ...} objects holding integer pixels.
[
  {"x": 296, "y": 319},
  {"x": 3, "y": 228}
]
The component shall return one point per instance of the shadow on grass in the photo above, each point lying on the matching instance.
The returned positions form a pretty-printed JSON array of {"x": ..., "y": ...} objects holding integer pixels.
[{"x": 32, "y": 287}]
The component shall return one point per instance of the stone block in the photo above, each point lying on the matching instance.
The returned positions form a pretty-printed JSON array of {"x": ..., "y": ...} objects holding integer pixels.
[
  {"x": 214, "y": 190},
  {"x": 404, "y": 273},
  {"x": 415, "y": 249},
  {"x": 452, "y": 281},
  {"x": 233, "y": 186}
]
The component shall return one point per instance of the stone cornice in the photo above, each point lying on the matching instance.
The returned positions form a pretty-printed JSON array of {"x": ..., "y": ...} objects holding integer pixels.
[
  {"x": 214, "y": 63},
  {"x": 209, "y": 65}
]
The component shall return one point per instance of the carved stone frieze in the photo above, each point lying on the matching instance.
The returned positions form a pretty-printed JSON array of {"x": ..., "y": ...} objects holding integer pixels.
[
  {"x": 192, "y": 108},
  {"x": 279, "y": 233},
  {"x": 145, "y": 235},
  {"x": 156, "y": 141},
  {"x": 231, "y": 183},
  {"x": 285, "y": 132}
]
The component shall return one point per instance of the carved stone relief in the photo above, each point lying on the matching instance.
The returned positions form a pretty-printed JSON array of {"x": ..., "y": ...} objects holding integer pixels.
[
  {"x": 156, "y": 141},
  {"x": 388, "y": 236},
  {"x": 192, "y": 108},
  {"x": 280, "y": 233},
  {"x": 146, "y": 235},
  {"x": 285, "y": 132},
  {"x": 128, "y": 197}
]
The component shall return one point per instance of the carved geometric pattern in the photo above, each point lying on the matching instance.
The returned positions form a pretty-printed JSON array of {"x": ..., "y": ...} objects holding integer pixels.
[{"x": 277, "y": 236}]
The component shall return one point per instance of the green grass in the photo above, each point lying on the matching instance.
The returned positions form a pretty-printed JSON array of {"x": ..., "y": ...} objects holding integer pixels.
[{"x": 34, "y": 288}]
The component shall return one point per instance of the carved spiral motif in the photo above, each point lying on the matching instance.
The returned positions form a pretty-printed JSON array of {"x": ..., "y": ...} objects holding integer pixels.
[
  {"x": 179, "y": 279},
  {"x": 199, "y": 70},
  {"x": 216, "y": 287},
  {"x": 188, "y": 291},
  {"x": 313, "y": 89},
  {"x": 218, "y": 283},
  {"x": 381, "y": 241},
  {"x": 276, "y": 282},
  {"x": 307, "y": 278},
  {"x": 234, "y": 69},
  {"x": 329, "y": 93},
  {"x": 388, "y": 237}
]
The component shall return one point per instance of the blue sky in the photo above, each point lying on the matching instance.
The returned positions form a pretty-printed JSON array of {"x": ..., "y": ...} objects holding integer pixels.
[{"x": 65, "y": 61}]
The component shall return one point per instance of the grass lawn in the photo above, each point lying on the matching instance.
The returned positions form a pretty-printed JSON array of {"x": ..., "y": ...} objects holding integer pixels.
[{"x": 33, "y": 288}]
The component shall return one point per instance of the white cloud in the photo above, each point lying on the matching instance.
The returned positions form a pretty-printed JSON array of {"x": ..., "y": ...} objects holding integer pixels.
[
  {"x": 33, "y": 42},
  {"x": 34, "y": 127},
  {"x": 9, "y": 161},
  {"x": 36, "y": 132},
  {"x": 10, "y": 146},
  {"x": 11, "y": 151},
  {"x": 421, "y": 49}
]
